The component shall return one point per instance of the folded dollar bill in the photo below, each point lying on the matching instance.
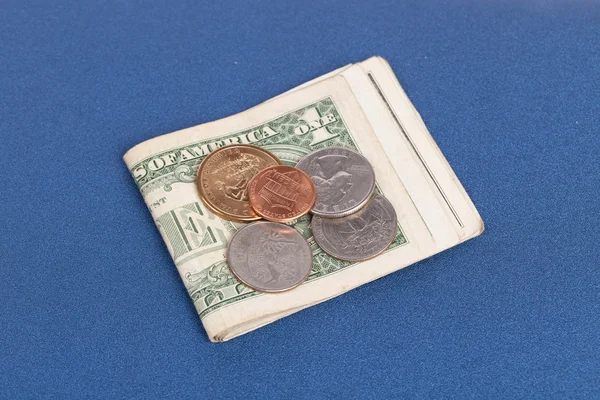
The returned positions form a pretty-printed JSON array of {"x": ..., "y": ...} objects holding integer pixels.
[{"x": 361, "y": 106}]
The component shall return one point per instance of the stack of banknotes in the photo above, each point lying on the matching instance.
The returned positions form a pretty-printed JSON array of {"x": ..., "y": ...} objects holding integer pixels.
[{"x": 361, "y": 107}]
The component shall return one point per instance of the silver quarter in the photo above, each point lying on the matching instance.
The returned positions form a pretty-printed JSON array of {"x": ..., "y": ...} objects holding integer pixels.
[
  {"x": 344, "y": 180},
  {"x": 359, "y": 236},
  {"x": 269, "y": 257}
]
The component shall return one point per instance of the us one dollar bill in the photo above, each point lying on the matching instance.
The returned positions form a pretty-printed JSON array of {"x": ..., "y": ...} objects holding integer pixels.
[{"x": 361, "y": 106}]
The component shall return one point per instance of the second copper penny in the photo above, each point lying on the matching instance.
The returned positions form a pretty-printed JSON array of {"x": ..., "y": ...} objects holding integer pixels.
[{"x": 281, "y": 193}]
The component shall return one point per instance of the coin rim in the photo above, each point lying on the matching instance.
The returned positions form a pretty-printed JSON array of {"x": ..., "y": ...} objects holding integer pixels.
[
  {"x": 362, "y": 203},
  {"x": 269, "y": 291},
  {"x": 212, "y": 207},
  {"x": 284, "y": 220},
  {"x": 316, "y": 217},
  {"x": 221, "y": 215}
]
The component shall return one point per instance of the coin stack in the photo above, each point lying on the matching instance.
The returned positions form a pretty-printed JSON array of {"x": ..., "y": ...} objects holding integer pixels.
[{"x": 245, "y": 183}]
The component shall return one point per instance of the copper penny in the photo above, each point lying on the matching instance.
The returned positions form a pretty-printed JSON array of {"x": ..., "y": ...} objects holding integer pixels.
[
  {"x": 281, "y": 193},
  {"x": 223, "y": 179}
]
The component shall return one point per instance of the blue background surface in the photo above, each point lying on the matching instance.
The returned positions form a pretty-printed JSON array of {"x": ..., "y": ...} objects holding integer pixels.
[{"x": 91, "y": 304}]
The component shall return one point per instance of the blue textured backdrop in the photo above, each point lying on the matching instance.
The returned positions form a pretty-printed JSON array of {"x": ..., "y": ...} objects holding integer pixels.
[{"x": 91, "y": 304}]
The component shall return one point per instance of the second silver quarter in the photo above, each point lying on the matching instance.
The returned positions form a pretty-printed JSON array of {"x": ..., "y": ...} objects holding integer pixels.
[
  {"x": 359, "y": 236},
  {"x": 269, "y": 257}
]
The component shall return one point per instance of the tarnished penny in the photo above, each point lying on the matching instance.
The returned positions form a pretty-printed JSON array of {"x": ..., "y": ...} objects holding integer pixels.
[
  {"x": 359, "y": 236},
  {"x": 281, "y": 193},
  {"x": 223, "y": 179},
  {"x": 269, "y": 257},
  {"x": 344, "y": 180}
]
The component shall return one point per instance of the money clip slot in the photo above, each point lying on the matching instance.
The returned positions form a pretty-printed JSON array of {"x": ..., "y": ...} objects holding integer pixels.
[{"x": 414, "y": 148}]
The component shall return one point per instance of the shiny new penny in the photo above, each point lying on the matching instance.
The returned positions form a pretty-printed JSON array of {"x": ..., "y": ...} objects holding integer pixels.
[
  {"x": 223, "y": 179},
  {"x": 359, "y": 236},
  {"x": 281, "y": 193},
  {"x": 269, "y": 257}
]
